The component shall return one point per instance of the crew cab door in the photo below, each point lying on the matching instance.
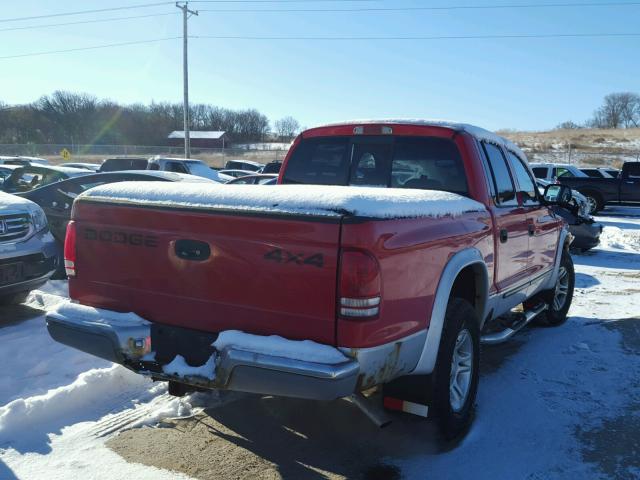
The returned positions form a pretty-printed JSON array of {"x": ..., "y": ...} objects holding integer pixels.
[
  {"x": 630, "y": 182},
  {"x": 542, "y": 226},
  {"x": 511, "y": 223}
]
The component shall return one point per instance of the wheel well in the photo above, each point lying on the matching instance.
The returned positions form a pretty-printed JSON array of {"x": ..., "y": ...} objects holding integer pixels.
[{"x": 471, "y": 284}]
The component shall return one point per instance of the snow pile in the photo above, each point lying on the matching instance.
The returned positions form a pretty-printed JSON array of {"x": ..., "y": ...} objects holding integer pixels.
[
  {"x": 24, "y": 419},
  {"x": 324, "y": 200},
  {"x": 279, "y": 347},
  {"x": 77, "y": 312},
  {"x": 180, "y": 367},
  {"x": 615, "y": 237}
]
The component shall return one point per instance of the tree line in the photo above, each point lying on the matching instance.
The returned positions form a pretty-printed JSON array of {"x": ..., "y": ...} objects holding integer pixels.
[
  {"x": 78, "y": 118},
  {"x": 618, "y": 110}
]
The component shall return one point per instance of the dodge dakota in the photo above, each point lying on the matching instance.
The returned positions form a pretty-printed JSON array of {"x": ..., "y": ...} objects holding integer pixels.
[{"x": 385, "y": 255}]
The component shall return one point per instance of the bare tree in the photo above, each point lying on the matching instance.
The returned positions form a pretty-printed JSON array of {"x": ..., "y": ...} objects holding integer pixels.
[
  {"x": 619, "y": 110},
  {"x": 568, "y": 125},
  {"x": 286, "y": 128}
]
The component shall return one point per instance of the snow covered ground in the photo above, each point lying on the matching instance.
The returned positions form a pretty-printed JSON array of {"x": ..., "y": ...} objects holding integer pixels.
[{"x": 553, "y": 403}]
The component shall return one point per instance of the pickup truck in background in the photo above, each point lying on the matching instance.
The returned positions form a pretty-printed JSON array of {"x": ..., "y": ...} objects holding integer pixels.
[
  {"x": 385, "y": 255},
  {"x": 600, "y": 192}
]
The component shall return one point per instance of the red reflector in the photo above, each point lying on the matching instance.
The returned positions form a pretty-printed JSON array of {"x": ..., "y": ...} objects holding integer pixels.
[{"x": 70, "y": 249}]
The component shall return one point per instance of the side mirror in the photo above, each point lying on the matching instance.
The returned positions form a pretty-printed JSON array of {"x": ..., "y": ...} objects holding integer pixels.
[{"x": 557, "y": 195}]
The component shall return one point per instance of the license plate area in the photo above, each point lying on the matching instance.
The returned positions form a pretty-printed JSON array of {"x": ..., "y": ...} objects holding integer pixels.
[{"x": 11, "y": 273}]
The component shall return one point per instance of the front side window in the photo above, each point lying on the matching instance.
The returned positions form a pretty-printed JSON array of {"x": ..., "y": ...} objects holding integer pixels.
[
  {"x": 506, "y": 192},
  {"x": 562, "y": 172},
  {"x": 526, "y": 186}
]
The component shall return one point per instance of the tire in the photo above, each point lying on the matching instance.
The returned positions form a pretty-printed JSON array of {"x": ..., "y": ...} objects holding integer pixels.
[
  {"x": 14, "y": 298},
  {"x": 557, "y": 308},
  {"x": 595, "y": 202},
  {"x": 454, "y": 405}
]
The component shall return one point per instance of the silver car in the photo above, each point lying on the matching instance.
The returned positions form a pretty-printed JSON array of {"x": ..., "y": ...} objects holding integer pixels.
[{"x": 28, "y": 251}]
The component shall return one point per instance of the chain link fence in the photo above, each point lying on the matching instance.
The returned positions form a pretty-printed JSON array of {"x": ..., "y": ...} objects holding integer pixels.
[
  {"x": 582, "y": 158},
  {"x": 215, "y": 157},
  {"x": 268, "y": 152}
]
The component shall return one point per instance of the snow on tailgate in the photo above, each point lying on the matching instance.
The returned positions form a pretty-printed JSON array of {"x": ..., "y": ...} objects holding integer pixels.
[{"x": 325, "y": 200}]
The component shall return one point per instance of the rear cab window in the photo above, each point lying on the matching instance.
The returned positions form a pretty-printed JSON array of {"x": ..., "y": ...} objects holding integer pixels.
[
  {"x": 540, "y": 172},
  {"x": 427, "y": 163}
]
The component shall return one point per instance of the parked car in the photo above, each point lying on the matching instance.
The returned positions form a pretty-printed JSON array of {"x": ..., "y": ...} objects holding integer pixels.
[
  {"x": 26, "y": 161},
  {"x": 585, "y": 230},
  {"x": 94, "y": 167},
  {"x": 25, "y": 178},
  {"x": 601, "y": 192},
  {"x": 236, "y": 173},
  {"x": 552, "y": 171},
  {"x": 272, "y": 167},
  {"x": 244, "y": 165},
  {"x": 57, "y": 199},
  {"x": 190, "y": 166},
  {"x": 126, "y": 163},
  {"x": 375, "y": 286},
  {"x": 6, "y": 171},
  {"x": 261, "y": 179},
  {"x": 28, "y": 253}
]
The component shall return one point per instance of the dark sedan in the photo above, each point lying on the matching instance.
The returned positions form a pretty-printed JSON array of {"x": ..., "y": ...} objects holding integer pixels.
[
  {"x": 262, "y": 179},
  {"x": 31, "y": 177}
]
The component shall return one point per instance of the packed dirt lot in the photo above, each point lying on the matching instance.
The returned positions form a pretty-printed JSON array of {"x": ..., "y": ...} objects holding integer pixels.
[{"x": 553, "y": 403}]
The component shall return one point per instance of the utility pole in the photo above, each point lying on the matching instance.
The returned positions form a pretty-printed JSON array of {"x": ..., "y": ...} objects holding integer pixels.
[{"x": 185, "y": 66}]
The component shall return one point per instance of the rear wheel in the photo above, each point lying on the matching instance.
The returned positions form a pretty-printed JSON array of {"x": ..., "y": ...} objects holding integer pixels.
[{"x": 455, "y": 378}]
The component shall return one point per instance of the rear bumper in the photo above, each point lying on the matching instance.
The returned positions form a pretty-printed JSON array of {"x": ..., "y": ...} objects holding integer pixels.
[
  {"x": 586, "y": 235},
  {"x": 127, "y": 339},
  {"x": 238, "y": 370}
]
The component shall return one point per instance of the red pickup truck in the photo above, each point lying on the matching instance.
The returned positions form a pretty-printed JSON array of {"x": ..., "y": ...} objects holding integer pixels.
[{"x": 386, "y": 253}]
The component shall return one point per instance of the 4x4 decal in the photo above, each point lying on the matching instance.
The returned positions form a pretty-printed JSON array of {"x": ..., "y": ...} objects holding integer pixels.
[{"x": 283, "y": 256}]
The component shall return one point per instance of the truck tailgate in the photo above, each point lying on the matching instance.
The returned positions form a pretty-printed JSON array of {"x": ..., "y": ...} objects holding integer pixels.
[{"x": 208, "y": 270}]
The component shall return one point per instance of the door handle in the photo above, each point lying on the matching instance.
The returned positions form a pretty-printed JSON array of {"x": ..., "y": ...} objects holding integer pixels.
[
  {"x": 192, "y": 250},
  {"x": 504, "y": 236}
]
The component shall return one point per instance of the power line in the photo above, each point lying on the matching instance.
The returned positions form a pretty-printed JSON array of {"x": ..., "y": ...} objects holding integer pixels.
[
  {"x": 435, "y": 37},
  {"x": 159, "y": 4},
  {"x": 95, "y": 47},
  {"x": 333, "y": 38},
  {"x": 412, "y": 9},
  {"x": 84, "y": 12},
  {"x": 82, "y": 22}
]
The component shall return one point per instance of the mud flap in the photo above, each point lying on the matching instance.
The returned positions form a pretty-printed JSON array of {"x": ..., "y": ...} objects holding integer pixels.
[{"x": 410, "y": 394}]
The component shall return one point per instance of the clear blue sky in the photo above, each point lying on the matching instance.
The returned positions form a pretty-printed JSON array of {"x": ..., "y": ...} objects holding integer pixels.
[{"x": 499, "y": 83}]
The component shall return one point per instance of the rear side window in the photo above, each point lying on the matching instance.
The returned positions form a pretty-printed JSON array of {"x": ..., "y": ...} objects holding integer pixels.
[
  {"x": 506, "y": 193},
  {"x": 176, "y": 167},
  {"x": 633, "y": 170},
  {"x": 399, "y": 162},
  {"x": 540, "y": 172},
  {"x": 525, "y": 183}
]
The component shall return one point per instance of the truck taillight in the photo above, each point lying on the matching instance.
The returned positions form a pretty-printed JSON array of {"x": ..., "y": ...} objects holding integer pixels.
[
  {"x": 359, "y": 285},
  {"x": 70, "y": 250}
]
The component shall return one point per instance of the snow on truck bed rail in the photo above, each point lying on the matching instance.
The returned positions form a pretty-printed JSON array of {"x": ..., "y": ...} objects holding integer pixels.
[{"x": 322, "y": 200}]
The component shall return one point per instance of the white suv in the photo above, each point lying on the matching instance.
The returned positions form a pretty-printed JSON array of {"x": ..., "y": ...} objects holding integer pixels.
[{"x": 551, "y": 171}]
